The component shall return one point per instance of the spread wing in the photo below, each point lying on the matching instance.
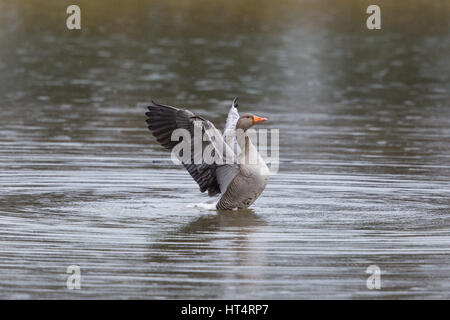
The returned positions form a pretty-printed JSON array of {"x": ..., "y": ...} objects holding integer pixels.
[{"x": 163, "y": 120}]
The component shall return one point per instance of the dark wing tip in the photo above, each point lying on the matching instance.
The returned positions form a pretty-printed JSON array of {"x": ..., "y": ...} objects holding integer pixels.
[
  {"x": 162, "y": 121},
  {"x": 235, "y": 102}
]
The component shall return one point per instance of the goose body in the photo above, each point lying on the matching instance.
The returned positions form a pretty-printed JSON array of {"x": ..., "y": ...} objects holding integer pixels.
[{"x": 240, "y": 175}]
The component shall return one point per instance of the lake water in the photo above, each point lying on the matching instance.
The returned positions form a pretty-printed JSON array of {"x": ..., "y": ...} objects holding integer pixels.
[{"x": 364, "y": 179}]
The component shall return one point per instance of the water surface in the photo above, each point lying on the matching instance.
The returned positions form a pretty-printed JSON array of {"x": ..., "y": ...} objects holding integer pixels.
[{"x": 364, "y": 178}]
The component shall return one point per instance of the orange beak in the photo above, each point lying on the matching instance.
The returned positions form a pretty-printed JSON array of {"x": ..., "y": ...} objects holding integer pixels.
[{"x": 257, "y": 119}]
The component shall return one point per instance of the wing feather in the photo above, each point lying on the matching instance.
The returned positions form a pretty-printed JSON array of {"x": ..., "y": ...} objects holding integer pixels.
[{"x": 164, "y": 119}]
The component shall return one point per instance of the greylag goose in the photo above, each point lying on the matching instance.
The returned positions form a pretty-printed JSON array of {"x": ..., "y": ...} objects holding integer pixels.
[{"x": 238, "y": 172}]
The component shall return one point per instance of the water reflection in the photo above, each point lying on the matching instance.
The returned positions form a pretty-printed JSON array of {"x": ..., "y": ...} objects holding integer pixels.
[
  {"x": 241, "y": 220},
  {"x": 225, "y": 241}
]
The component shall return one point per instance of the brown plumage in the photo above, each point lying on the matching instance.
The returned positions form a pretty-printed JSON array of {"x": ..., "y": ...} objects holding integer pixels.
[
  {"x": 239, "y": 182},
  {"x": 162, "y": 121}
]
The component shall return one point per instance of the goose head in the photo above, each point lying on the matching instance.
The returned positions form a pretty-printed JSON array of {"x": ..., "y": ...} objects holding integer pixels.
[{"x": 247, "y": 121}]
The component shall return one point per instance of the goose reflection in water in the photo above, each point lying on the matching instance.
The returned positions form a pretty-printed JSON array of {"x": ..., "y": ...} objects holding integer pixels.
[{"x": 229, "y": 241}]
